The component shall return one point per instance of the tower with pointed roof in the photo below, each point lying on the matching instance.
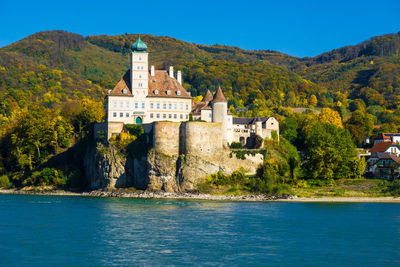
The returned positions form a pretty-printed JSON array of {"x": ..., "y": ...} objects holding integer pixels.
[{"x": 220, "y": 111}]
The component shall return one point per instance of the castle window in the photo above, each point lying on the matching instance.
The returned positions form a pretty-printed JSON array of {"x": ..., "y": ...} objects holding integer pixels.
[
  {"x": 164, "y": 106},
  {"x": 187, "y": 116},
  {"x": 121, "y": 114},
  {"x": 181, "y": 106},
  {"x": 115, "y": 104},
  {"x": 175, "y": 116},
  {"x": 127, "y": 104},
  {"x": 168, "y": 92},
  {"x": 143, "y": 105},
  {"x": 187, "y": 107},
  {"x": 158, "y": 105},
  {"x": 156, "y": 92},
  {"x": 175, "y": 106},
  {"x": 144, "y": 92},
  {"x": 127, "y": 115},
  {"x": 121, "y": 104},
  {"x": 115, "y": 114},
  {"x": 164, "y": 116},
  {"x": 136, "y": 105},
  {"x": 151, "y": 105},
  {"x": 181, "y": 116},
  {"x": 142, "y": 67},
  {"x": 138, "y": 67},
  {"x": 170, "y": 116},
  {"x": 170, "y": 106},
  {"x": 140, "y": 58},
  {"x": 158, "y": 115},
  {"x": 140, "y": 76},
  {"x": 178, "y": 92},
  {"x": 151, "y": 115}
]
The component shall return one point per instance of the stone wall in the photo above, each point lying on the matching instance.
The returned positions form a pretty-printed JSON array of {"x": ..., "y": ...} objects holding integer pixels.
[
  {"x": 202, "y": 138},
  {"x": 166, "y": 137}
]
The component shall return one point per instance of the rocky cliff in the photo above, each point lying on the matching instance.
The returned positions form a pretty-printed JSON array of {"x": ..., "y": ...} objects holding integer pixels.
[{"x": 107, "y": 168}]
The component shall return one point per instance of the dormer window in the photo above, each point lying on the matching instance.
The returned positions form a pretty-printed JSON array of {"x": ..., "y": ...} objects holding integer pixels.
[
  {"x": 125, "y": 91},
  {"x": 156, "y": 92},
  {"x": 168, "y": 92},
  {"x": 178, "y": 92}
]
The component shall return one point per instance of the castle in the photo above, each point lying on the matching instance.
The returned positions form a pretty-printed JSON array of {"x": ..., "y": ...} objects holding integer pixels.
[{"x": 146, "y": 97}]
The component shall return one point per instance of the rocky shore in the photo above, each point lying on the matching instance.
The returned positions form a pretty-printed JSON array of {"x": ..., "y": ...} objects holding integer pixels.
[{"x": 126, "y": 193}]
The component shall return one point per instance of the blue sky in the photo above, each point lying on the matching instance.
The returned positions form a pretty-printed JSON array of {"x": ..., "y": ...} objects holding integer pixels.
[{"x": 298, "y": 28}]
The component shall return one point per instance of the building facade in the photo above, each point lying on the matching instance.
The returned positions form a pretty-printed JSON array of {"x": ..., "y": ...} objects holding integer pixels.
[{"x": 144, "y": 96}]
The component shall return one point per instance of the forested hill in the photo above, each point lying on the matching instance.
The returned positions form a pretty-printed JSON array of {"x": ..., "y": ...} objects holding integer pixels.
[
  {"x": 55, "y": 66},
  {"x": 52, "y": 88}
]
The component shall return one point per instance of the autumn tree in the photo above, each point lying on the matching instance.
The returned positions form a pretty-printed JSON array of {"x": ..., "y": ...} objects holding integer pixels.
[{"x": 330, "y": 116}]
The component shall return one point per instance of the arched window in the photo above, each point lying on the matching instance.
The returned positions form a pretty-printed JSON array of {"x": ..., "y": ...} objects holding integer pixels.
[{"x": 156, "y": 92}]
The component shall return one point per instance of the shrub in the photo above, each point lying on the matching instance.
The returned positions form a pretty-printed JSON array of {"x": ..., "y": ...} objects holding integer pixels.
[
  {"x": 236, "y": 145},
  {"x": 134, "y": 129},
  {"x": 394, "y": 188},
  {"x": 4, "y": 181}
]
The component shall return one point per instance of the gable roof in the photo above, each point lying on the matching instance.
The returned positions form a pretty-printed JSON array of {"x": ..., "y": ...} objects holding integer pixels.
[
  {"x": 247, "y": 121},
  {"x": 163, "y": 83},
  {"x": 123, "y": 83},
  {"x": 160, "y": 82},
  {"x": 390, "y": 156},
  {"x": 381, "y": 147}
]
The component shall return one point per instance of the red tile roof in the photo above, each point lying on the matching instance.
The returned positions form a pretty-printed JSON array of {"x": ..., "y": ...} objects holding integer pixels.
[
  {"x": 381, "y": 147},
  {"x": 160, "y": 82},
  {"x": 219, "y": 96},
  {"x": 163, "y": 83},
  {"x": 124, "y": 83}
]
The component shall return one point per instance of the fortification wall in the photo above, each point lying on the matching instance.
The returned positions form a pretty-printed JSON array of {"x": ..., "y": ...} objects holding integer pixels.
[
  {"x": 202, "y": 138},
  {"x": 166, "y": 137}
]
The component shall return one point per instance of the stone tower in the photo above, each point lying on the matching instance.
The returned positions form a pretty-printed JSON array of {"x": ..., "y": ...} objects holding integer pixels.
[
  {"x": 258, "y": 129},
  {"x": 220, "y": 112},
  {"x": 139, "y": 78}
]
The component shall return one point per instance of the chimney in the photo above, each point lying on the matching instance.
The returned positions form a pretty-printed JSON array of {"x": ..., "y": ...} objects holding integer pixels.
[
  {"x": 171, "y": 71},
  {"x": 179, "y": 77},
  {"x": 152, "y": 71}
]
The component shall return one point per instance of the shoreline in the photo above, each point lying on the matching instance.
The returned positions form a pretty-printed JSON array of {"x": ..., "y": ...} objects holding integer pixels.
[{"x": 199, "y": 196}]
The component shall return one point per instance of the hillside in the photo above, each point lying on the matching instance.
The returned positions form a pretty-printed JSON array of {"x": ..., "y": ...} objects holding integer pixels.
[{"x": 73, "y": 66}]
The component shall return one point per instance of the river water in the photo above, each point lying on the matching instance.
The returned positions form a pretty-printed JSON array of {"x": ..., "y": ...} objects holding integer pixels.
[{"x": 83, "y": 231}]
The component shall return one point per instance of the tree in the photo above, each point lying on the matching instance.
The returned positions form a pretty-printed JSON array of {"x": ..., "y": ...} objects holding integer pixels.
[
  {"x": 329, "y": 153},
  {"x": 330, "y": 116},
  {"x": 313, "y": 100},
  {"x": 288, "y": 129}
]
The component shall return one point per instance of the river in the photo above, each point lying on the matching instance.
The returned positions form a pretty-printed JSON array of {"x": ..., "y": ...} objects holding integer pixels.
[{"x": 85, "y": 231}]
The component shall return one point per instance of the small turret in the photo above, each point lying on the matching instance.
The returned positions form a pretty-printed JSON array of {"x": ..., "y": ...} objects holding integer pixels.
[
  {"x": 220, "y": 112},
  {"x": 208, "y": 97},
  {"x": 219, "y": 96}
]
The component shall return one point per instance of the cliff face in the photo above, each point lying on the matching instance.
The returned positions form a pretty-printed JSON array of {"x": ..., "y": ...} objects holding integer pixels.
[{"x": 107, "y": 168}]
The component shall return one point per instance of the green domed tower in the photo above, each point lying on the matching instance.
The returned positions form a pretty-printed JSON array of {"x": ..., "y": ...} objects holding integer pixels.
[
  {"x": 139, "y": 46},
  {"x": 139, "y": 76}
]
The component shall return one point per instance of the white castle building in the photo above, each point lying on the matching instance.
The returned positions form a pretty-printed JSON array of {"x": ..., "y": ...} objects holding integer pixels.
[{"x": 142, "y": 97}]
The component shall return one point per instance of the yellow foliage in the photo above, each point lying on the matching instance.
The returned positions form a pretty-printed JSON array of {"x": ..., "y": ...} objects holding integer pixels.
[
  {"x": 330, "y": 116},
  {"x": 2, "y": 68},
  {"x": 313, "y": 100},
  {"x": 197, "y": 98},
  {"x": 371, "y": 62}
]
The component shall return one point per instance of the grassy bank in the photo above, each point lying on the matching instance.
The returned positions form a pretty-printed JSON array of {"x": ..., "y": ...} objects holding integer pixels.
[{"x": 238, "y": 184}]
